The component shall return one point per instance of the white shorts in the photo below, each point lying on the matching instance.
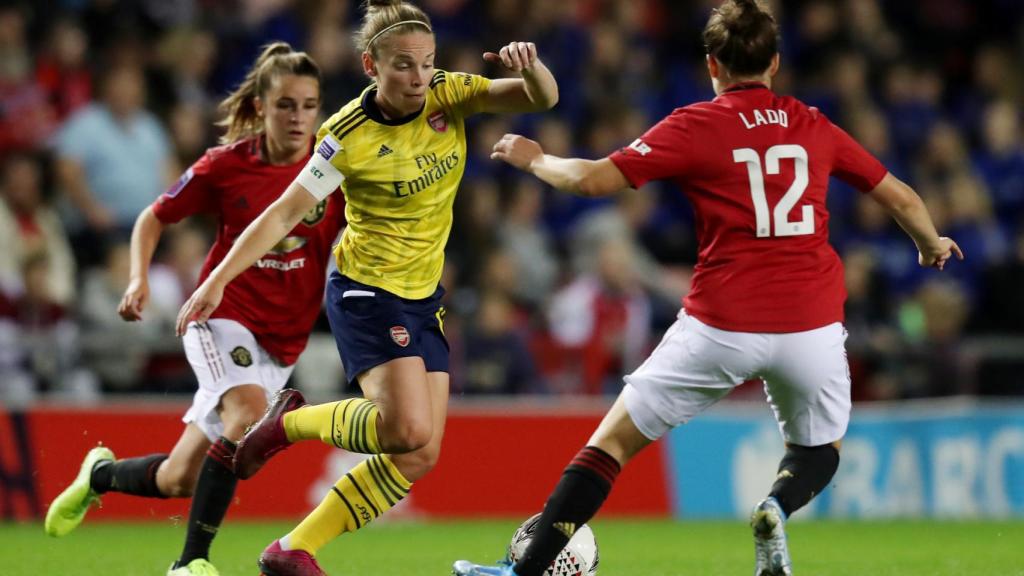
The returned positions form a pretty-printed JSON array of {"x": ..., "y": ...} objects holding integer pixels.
[
  {"x": 223, "y": 355},
  {"x": 806, "y": 378}
]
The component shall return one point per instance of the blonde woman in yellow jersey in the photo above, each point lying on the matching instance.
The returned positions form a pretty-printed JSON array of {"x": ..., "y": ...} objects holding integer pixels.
[{"x": 398, "y": 153}]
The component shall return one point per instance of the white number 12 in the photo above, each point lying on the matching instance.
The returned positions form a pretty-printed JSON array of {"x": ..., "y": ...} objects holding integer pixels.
[{"x": 783, "y": 226}]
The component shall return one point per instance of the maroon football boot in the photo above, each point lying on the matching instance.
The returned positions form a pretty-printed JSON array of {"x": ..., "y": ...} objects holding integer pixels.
[
  {"x": 267, "y": 436},
  {"x": 277, "y": 562}
]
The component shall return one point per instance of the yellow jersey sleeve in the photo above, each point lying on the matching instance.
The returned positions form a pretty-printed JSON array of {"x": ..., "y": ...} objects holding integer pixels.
[
  {"x": 328, "y": 139},
  {"x": 461, "y": 92}
]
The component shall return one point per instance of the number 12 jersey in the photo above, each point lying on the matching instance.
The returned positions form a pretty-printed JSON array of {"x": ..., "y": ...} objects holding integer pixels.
[{"x": 756, "y": 168}]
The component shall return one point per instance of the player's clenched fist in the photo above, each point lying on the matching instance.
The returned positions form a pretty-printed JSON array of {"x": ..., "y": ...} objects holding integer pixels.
[
  {"x": 134, "y": 301},
  {"x": 516, "y": 150},
  {"x": 516, "y": 57},
  {"x": 936, "y": 256}
]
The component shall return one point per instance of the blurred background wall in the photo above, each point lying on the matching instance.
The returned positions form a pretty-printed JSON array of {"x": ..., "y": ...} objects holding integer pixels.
[{"x": 548, "y": 294}]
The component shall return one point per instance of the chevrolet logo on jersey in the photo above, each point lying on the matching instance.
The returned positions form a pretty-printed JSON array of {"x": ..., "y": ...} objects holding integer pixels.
[
  {"x": 288, "y": 244},
  {"x": 437, "y": 170}
]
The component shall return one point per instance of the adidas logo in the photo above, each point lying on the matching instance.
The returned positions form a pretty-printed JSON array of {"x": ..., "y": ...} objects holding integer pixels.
[
  {"x": 785, "y": 474},
  {"x": 567, "y": 528},
  {"x": 384, "y": 151}
]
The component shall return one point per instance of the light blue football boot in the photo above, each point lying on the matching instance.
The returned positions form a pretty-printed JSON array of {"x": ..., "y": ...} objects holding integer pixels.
[
  {"x": 467, "y": 568},
  {"x": 771, "y": 551}
]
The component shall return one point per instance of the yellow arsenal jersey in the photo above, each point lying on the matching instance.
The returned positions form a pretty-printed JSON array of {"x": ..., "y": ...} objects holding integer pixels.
[{"x": 399, "y": 178}]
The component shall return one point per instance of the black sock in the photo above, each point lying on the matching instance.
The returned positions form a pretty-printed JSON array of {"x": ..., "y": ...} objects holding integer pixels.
[
  {"x": 584, "y": 486},
  {"x": 136, "y": 476},
  {"x": 803, "y": 474},
  {"x": 214, "y": 490}
]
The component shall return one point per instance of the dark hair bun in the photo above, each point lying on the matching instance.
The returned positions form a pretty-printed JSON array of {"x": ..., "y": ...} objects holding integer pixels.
[{"x": 743, "y": 36}]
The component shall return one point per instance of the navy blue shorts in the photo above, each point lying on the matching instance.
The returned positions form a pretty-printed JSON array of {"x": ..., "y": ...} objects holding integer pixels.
[{"x": 372, "y": 326}]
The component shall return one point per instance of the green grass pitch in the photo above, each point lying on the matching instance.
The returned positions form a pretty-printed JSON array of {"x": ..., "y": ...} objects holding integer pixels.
[{"x": 628, "y": 548}]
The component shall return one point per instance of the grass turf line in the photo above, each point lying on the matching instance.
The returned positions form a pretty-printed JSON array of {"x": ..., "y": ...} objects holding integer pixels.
[{"x": 627, "y": 548}]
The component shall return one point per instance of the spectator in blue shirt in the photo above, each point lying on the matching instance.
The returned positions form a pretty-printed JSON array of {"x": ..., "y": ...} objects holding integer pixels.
[{"x": 113, "y": 159}]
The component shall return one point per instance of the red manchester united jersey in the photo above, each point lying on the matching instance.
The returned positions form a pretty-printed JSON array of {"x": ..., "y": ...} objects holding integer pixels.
[
  {"x": 279, "y": 297},
  {"x": 756, "y": 168}
]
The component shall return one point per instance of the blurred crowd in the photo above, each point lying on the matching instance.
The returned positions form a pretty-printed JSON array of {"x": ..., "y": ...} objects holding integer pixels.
[{"x": 104, "y": 102}]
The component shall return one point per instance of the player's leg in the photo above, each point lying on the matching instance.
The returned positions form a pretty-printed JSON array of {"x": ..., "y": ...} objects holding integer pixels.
[
  {"x": 579, "y": 494},
  {"x": 387, "y": 423},
  {"x": 803, "y": 473},
  {"x": 151, "y": 476},
  {"x": 403, "y": 375},
  {"x": 808, "y": 387},
  {"x": 681, "y": 378},
  {"x": 358, "y": 425},
  {"x": 583, "y": 487},
  {"x": 235, "y": 377},
  {"x": 239, "y": 408},
  {"x": 377, "y": 333},
  {"x": 381, "y": 339},
  {"x": 377, "y": 484}
]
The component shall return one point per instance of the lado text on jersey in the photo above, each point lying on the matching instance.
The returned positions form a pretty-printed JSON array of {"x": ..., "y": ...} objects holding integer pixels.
[{"x": 766, "y": 117}]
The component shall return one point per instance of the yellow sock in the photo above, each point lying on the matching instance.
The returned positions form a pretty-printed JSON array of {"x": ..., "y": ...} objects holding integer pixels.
[
  {"x": 350, "y": 424},
  {"x": 366, "y": 492}
]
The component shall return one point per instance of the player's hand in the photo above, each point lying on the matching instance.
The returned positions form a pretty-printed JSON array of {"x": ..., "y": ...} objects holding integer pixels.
[
  {"x": 516, "y": 57},
  {"x": 134, "y": 300},
  {"x": 200, "y": 305},
  {"x": 517, "y": 151},
  {"x": 936, "y": 256}
]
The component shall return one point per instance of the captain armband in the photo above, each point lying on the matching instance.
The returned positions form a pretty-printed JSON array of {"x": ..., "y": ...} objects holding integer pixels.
[{"x": 319, "y": 176}]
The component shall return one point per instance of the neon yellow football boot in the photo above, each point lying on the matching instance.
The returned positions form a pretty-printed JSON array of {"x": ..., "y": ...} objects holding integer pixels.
[
  {"x": 197, "y": 567},
  {"x": 68, "y": 509}
]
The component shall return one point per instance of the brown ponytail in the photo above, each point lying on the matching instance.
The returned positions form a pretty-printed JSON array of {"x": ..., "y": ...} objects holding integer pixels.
[
  {"x": 743, "y": 36},
  {"x": 276, "y": 59},
  {"x": 381, "y": 15}
]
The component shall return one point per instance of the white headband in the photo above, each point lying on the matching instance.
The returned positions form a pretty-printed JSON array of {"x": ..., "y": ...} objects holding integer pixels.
[{"x": 377, "y": 35}]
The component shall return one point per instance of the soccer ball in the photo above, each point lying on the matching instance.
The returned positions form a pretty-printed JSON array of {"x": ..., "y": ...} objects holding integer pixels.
[{"x": 578, "y": 558}]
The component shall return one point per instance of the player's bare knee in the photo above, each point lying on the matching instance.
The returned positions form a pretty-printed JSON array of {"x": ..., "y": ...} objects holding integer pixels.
[
  {"x": 407, "y": 436},
  {"x": 417, "y": 464}
]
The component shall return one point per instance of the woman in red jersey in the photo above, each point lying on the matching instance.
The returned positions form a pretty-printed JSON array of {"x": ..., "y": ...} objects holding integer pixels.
[
  {"x": 767, "y": 295},
  {"x": 247, "y": 350}
]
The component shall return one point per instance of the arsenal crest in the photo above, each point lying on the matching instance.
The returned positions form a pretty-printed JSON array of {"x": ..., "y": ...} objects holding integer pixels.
[
  {"x": 400, "y": 335},
  {"x": 437, "y": 121}
]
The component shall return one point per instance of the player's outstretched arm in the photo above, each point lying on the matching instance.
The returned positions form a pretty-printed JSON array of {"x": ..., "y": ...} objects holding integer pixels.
[
  {"x": 576, "y": 175},
  {"x": 909, "y": 211},
  {"x": 258, "y": 238},
  {"x": 537, "y": 90},
  {"x": 145, "y": 236}
]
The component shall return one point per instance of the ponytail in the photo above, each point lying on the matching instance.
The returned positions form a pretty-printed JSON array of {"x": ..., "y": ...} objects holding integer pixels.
[{"x": 277, "y": 59}]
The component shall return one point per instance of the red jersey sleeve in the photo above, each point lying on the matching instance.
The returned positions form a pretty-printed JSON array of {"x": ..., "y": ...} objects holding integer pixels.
[
  {"x": 661, "y": 153},
  {"x": 853, "y": 164},
  {"x": 193, "y": 193}
]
